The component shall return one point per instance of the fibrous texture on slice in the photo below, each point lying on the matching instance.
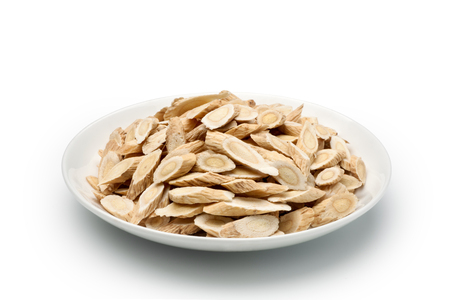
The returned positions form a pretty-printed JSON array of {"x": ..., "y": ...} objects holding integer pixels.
[
  {"x": 183, "y": 105},
  {"x": 174, "y": 167},
  {"x": 295, "y": 115},
  {"x": 327, "y": 158},
  {"x": 143, "y": 175},
  {"x": 93, "y": 182},
  {"x": 250, "y": 227},
  {"x": 308, "y": 139},
  {"x": 220, "y": 116},
  {"x": 118, "y": 206},
  {"x": 300, "y": 158},
  {"x": 192, "y": 147},
  {"x": 244, "y": 206},
  {"x": 266, "y": 189},
  {"x": 227, "y": 126},
  {"x": 209, "y": 161},
  {"x": 180, "y": 210},
  {"x": 197, "y": 134},
  {"x": 148, "y": 201},
  {"x": 180, "y": 226},
  {"x": 309, "y": 195},
  {"x": 239, "y": 186},
  {"x": 338, "y": 143},
  {"x": 200, "y": 179},
  {"x": 334, "y": 208},
  {"x": 175, "y": 134},
  {"x": 350, "y": 182},
  {"x": 146, "y": 127},
  {"x": 238, "y": 151},
  {"x": 288, "y": 138},
  {"x": 121, "y": 172},
  {"x": 156, "y": 222},
  {"x": 246, "y": 113},
  {"x": 358, "y": 168},
  {"x": 211, "y": 224},
  {"x": 291, "y": 128},
  {"x": 289, "y": 175},
  {"x": 244, "y": 130},
  {"x": 197, "y": 194},
  {"x": 154, "y": 141},
  {"x": 331, "y": 190},
  {"x": 329, "y": 176},
  {"x": 200, "y": 111},
  {"x": 243, "y": 172},
  {"x": 271, "y": 118},
  {"x": 297, "y": 220},
  {"x": 322, "y": 132}
]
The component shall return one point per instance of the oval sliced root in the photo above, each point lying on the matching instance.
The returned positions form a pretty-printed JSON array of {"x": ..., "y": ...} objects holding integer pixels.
[
  {"x": 143, "y": 175},
  {"x": 146, "y": 127},
  {"x": 208, "y": 161},
  {"x": 156, "y": 222},
  {"x": 243, "y": 172},
  {"x": 197, "y": 194},
  {"x": 297, "y": 220},
  {"x": 200, "y": 179},
  {"x": 220, "y": 116},
  {"x": 180, "y": 226},
  {"x": 211, "y": 224},
  {"x": 327, "y": 158},
  {"x": 239, "y": 186},
  {"x": 118, "y": 206},
  {"x": 244, "y": 206},
  {"x": 329, "y": 176},
  {"x": 154, "y": 141},
  {"x": 174, "y": 167},
  {"x": 180, "y": 210},
  {"x": 267, "y": 189},
  {"x": 309, "y": 195},
  {"x": 308, "y": 140},
  {"x": 289, "y": 175},
  {"x": 271, "y": 118},
  {"x": 250, "y": 227},
  {"x": 121, "y": 172},
  {"x": 334, "y": 208},
  {"x": 350, "y": 182},
  {"x": 148, "y": 202}
]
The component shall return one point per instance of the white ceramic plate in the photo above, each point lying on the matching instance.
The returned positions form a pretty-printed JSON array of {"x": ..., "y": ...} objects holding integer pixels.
[{"x": 80, "y": 160}]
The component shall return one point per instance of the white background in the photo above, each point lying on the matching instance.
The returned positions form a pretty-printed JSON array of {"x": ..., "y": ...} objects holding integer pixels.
[{"x": 64, "y": 64}]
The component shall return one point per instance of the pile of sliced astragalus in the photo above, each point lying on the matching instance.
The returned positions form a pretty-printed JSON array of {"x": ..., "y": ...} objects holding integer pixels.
[{"x": 220, "y": 166}]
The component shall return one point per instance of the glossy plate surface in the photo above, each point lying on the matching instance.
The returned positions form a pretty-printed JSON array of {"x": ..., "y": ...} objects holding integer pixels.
[{"x": 80, "y": 160}]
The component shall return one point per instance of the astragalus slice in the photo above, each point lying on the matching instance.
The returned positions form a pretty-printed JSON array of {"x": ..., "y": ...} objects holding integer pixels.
[
  {"x": 250, "y": 227},
  {"x": 244, "y": 206},
  {"x": 334, "y": 208},
  {"x": 118, "y": 206},
  {"x": 200, "y": 179},
  {"x": 297, "y": 220},
  {"x": 197, "y": 194},
  {"x": 174, "y": 167},
  {"x": 220, "y": 116},
  {"x": 211, "y": 224}
]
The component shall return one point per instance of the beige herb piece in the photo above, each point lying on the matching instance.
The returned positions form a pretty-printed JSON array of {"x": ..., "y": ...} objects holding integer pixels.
[
  {"x": 200, "y": 111},
  {"x": 196, "y": 134},
  {"x": 331, "y": 190},
  {"x": 322, "y": 132},
  {"x": 243, "y": 172},
  {"x": 220, "y": 116},
  {"x": 238, "y": 151},
  {"x": 156, "y": 222},
  {"x": 350, "y": 182},
  {"x": 300, "y": 158},
  {"x": 191, "y": 147},
  {"x": 268, "y": 189},
  {"x": 250, "y": 227},
  {"x": 239, "y": 186},
  {"x": 246, "y": 113},
  {"x": 295, "y": 115},
  {"x": 271, "y": 118},
  {"x": 327, "y": 158},
  {"x": 329, "y": 176},
  {"x": 211, "y": 224},
  {"x": 244, "y": 206},
  {"x": 288, "y": 138},
  {"x": 278, "y": 232},
  {"x": 154, "y": 141},
  {"x": 339, "y": 144},
  {"x": 180, "y": 210},
  {"x": 308, "y": 140},
  {"x": 98, "y": 195},
  {"x": 270, "y": 142},
  {"x": 209, "y": 161},
  {"x": 130, "y": 145},
  {"x": 334, "y": 208},
  {"x": 116, "y": 140},
  {"x": 120, "y": 172},
  {"x": 146, "y": 127},
  {"x": 289, "y": 175},
  {"x": 121, "y": 191},
  {"x": 174, "y": 167},
  {"x": 160, "y": 114},
  {"x": 227, "y": 126},
  {"x": 179, "y": 107},
  {"x": 197, "y": 194},
  {"x": 143, "y": 175},
  {"x": 243, "y": 130},
  {"x": 148, "y": 202},
  {"x": 291, "y": 128},
  {"x": 175, "y": 134},
  {"x": 118, "y": 206},
  {"x": 284, "y": 109},
  {"x": 358, "y": 168},
  {"x": 271, "y": 156},
  {"x": 297, "y": 220},
  {"x": 184, "y": 226},
  {"x": 163, "y": 202},
  {"x": 309, "y": 195},
  {"x": 261, "y": 107},
  {"x": 200, "y": 179},
  {"x": 312, "y": 120},
  {"x": 93, "y": 182}
]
